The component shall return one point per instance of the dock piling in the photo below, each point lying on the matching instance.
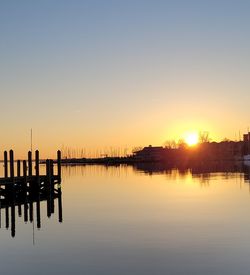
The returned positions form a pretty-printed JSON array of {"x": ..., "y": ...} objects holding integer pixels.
[
  {"x": 18, "y": 168},
  {"x": 59, "y": 158},
  {"x": 24, "y": 173},
  {"x": 37, "y": 162},
  {"x": 11, "y": 164},
  {"x": 29, "y": 163},
  {"x": 5, "y": 164}
]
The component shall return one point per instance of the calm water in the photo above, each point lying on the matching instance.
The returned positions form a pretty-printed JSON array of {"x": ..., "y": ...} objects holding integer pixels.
[{"x": 121, "y": 220}]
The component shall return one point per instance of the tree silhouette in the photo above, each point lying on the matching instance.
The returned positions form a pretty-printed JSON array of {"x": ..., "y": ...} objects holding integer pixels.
[
  {"x": 171, "y": 144},
  {"x": 204, "y": 137}
]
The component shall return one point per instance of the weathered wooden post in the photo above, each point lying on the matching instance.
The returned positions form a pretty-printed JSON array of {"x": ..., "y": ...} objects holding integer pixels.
[
  {"x": 37, "y": 162},
  {"x": 59, "y": 158},
  {"x": 25, "y": 174},
  {"x": 29, "y": 164},
  {"x": 47, "y": 168},
  {"x": 52, "y": 186},
  {"x": 37, "y": 172},
  {"x": 5, "y": 164},
  {"x": 19, "y": 168},
  {"x": 51, "y": 169},
  {"x": 12, "y": 164}
]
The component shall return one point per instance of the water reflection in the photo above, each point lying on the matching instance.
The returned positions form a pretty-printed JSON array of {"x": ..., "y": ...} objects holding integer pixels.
[
  {"x": 83, "y": 170},
  {"x": 27, "y": 201},
  {"x": 203, "y": 171},
  {"x": 146, "y": 219},
  {"x": 196, "y": 168}
]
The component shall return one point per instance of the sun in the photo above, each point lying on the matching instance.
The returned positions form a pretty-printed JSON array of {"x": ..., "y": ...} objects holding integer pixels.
[{"x": 191, "y": 138}]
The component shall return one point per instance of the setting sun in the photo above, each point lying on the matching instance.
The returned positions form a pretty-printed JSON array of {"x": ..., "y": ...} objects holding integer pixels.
[{"x": 191, "y": 138}]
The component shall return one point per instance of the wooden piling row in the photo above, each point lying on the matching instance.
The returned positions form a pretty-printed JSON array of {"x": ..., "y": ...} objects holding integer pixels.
[
  {"x": 27, "y": 186},
  {"x": 27, "y": 171}
]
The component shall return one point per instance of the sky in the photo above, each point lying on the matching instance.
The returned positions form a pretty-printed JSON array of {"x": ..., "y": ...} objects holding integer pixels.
[{"x": 95, "y": 74}]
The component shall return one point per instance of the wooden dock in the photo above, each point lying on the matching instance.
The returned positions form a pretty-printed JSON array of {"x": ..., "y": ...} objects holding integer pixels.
[{"x": 22, "y": 188}]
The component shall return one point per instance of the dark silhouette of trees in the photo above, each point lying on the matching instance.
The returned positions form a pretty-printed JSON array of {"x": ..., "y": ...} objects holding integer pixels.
[
  {"x": 170, "y": 144},
  {"x": 204, "y": 137}
]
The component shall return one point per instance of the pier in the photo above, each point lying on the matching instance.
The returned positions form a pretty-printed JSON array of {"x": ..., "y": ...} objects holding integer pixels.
[{"x": 23, "y": 187}]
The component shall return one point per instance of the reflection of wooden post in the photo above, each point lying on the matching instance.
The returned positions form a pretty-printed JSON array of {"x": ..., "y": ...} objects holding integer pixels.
[
  {"x": 19, "y": 168},
  {"x": 60, "y": 217},
  {"x": 31, "y": 211},
  {"x": 12, "y": 164},
  {"x": 7, "y": 217},
  {"x": 5, "y": 164},
  {"x": 13, "y": 220},
  {"x": 29, "y": 164},
  {"x": 25, "y": 211},
  {"x": 19, "y": 209},
  {"x": 38, "y": 213},
  {"x": 59, "y": 163}
]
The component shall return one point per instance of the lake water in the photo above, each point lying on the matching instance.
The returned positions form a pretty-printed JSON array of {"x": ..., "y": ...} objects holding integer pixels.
[{"x": 122, "y": 220}]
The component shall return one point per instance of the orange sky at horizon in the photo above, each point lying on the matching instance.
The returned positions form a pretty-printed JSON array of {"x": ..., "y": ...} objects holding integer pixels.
[{"x": 92, "y": 145}]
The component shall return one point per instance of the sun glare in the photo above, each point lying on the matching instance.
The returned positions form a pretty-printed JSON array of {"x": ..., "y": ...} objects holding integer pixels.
[{"x": 191, "y": 138}]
